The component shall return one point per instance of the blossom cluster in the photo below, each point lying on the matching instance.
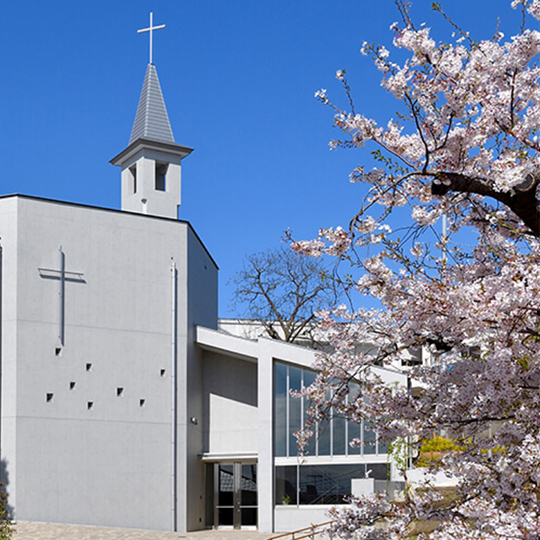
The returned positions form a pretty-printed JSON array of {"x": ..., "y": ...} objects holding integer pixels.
[{"x": 466, "y": 147}]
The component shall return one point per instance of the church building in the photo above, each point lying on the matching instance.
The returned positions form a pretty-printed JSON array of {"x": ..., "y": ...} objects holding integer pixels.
[{"x": 122, "y": 404}]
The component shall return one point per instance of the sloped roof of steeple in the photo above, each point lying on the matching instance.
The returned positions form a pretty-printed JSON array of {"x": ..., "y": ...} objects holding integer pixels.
[{"x": 152, "y": 120}]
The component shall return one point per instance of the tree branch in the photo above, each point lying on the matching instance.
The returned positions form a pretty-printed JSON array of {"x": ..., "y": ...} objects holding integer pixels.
[{"x": 521, "y": 200}]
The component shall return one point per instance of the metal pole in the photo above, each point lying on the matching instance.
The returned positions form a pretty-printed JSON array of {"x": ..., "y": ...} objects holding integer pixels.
[
  {"x": 151, "y": 35},
  {"x": 174, "y": 367},
  {"x": 61, "y": 332}
]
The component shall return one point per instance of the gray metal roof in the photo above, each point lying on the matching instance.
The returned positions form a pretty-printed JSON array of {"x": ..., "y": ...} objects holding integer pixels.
[{"x": 151, "y": 121}]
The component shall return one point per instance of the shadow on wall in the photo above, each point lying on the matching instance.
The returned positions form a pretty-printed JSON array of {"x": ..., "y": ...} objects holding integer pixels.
[
  {"x": 4, "y": 482},
  {"x": 234, "y": 381}
]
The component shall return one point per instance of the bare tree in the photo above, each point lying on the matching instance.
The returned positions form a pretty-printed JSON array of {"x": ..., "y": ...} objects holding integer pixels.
[{"x": 283, "y": 290}]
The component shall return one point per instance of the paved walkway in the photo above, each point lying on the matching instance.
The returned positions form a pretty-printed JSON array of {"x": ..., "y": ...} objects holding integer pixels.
[{"x": 49, "y": 531}]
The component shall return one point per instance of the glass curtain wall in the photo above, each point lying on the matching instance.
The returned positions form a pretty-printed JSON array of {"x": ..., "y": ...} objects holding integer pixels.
[{"x": 332, "y": 437}]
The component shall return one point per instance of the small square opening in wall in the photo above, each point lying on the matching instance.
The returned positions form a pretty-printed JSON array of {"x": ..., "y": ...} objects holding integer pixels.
[
  {"x": 58, "y": 351},
  {"x": 162, "y": 372},
  {"x": 142, "y": 402},
  {"x": 72, "y": 385},
  {"x": 90, "y": 405},
  {"x": 49, "y": 397},
  {"x": 119, "y": 391},
  {"x": 88, "y": 367}
]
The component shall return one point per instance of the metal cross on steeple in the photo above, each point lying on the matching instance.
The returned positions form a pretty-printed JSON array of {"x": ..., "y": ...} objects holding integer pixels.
[{"x": 151, "y": 29}]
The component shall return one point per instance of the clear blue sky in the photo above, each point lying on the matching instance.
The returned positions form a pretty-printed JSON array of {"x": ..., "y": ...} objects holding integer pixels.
[{"x": 238, "y": 77}]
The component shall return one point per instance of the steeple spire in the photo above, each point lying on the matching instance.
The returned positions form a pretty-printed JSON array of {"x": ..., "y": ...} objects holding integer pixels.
[{"x": 152, "y": 120}]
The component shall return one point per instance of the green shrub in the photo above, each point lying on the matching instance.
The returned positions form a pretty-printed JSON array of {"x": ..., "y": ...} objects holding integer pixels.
[{"x": 6, "y": 525}]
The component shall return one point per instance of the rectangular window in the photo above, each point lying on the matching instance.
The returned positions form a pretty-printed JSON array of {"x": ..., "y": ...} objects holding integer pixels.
[
  {"x": 382, "y": 448},
  {"x": 320, "y": 484},
  {"x": 161, "y": 174},
  {"x": 379, "y": 471},
  {"x": 309, "y": 378},
  {"x": 355, "y": 433},
  {"x": 280, "y": 409},
  {"x": 339, "y": 440},
  {"x": 295, "y": 409},
  {"x": 324, "y": 429},
  {"x": 370, "y": 439},
  {"x": 327, "y": 484},
  {"x": 286, "y": 484},
  {"x": 133, "y": 172}
]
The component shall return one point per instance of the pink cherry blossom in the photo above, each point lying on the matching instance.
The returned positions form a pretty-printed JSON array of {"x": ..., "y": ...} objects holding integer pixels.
[{"x": 464, "y": 146}]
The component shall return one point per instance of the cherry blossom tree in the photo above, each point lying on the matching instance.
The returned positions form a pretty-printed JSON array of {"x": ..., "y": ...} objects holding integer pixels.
[{"x": 464, "y": 146}]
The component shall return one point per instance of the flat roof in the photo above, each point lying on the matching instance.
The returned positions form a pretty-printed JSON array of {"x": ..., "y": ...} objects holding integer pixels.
[{"x": 113, "y": 210}]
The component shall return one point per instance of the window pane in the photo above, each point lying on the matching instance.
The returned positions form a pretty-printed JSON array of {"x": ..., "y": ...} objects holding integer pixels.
[
  {"x": 369, "y": 438},
  {"x": 249, "y": 516},
  {"x": 324, "y": 432},
  {"x": 295, "y": 407},
  {"x": 324, "y": 437},
  {"x": 248, "y": 485},
  {"x": 327, "y": 484},
  {"x": 226, "y": 486},
  {"x": 354, "y": 433},
  {"x": 382, "y": 447},
  {"x": 379, "y": 471},
  {"x": 286, "y": 485},
  {"x": 309, "y": 377},
  {"x": 295, "y": 378},
  {"x": 339, "y": 436},
  {"x": 225, "y": 516},
  {"x": 354, "y": 391},
  {"x": 280, "y": 410}
]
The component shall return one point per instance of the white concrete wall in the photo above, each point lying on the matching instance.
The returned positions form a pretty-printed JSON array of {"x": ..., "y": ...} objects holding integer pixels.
[
  {"x": 146, "y": 199},
  {"x": 201, "y": 308},
  {"x": 109, "y": 465},
  {"x": 8, "y": 348},
  {"x": 230, "y": 405},
  {"x": 263, "y": 352},
  {"x": 291, "y": 518}
]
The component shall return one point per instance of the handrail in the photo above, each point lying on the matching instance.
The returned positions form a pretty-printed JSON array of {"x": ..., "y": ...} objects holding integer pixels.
[{"x": 311, "y": 528}]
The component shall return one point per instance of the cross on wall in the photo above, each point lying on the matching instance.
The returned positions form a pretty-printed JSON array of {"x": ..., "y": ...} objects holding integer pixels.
[{"x": 62, "y": 275}]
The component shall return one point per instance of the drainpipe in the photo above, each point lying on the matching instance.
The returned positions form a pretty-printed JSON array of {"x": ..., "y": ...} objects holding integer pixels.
[
  {"x": 174, "y": 413},
  {"x": 62, "y": 318}
]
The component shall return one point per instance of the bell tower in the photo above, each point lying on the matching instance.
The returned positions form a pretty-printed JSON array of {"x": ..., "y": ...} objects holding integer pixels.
[{"x": 151, "y": 164}]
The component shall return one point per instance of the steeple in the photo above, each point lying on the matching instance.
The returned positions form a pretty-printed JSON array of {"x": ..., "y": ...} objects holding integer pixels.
[
  {"x": 152, "y": 120},
  {"x": 151, "y": 164}
]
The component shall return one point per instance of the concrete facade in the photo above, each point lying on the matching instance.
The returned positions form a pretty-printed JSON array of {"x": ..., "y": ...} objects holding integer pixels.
[
  {"x": 87, "y": 424},
  {"x": 121, "y": 404},
  {"x": 234, "y": 366}
]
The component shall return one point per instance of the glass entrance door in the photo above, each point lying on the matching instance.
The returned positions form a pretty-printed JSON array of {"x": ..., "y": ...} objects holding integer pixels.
[{"x": 235, "y": 495}]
